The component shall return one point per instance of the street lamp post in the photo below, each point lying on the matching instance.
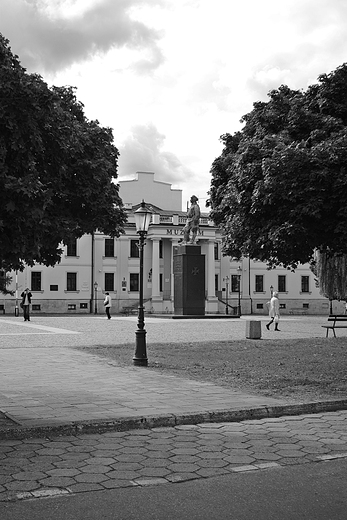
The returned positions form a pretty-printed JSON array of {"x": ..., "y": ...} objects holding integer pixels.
[
  {"x": 239, "y": 271},
  {"x": 226, "y": 280},
  {"x": 16, "y": 309},
  {"x": 142, "y": 220},
  {"x": 96, "y": 297}
]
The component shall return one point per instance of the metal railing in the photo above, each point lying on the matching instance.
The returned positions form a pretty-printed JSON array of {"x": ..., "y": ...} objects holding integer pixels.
[{"x": 235, "y": 309}]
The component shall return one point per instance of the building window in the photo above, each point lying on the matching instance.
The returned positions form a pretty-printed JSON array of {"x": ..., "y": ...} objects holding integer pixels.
[
  {"x": 134, "y": 282},
  {"x": 36, "y": 307},
  {"x": 305, "y": 284},
  {"x": 234, "y": 283},
  {"x": 160, "y": 282},
  {"x": 160, "y": 249},
  {"x": 109, "y": 247},
  {"x": 216, "y": 251},
  {"x": 71, "y": 306},
  {"x": 260, "y": 306},
  {"x": 109, "y": 282},
  {"x": 36, "y": 281},
  {"x": 134, "y": 250},
  {"x": 216, "y": 284},
  {"x": 71, "y": 247},
  {"x": 83, "y": 305},
  {"x": 282, "y": 283},
  {"x": 259, "y": 283},
  {"x": 71, "y": 281},
  {"x": 53, "y": 287}
]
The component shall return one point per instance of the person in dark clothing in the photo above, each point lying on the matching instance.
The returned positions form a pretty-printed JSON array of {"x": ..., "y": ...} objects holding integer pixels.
[{"x": 25, "y": 303}]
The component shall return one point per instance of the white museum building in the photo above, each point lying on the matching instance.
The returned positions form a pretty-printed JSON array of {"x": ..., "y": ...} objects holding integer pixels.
[{"x": 96, "y": 264}]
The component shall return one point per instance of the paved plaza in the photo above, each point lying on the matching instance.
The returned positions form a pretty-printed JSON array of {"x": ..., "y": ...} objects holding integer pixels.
[
  {"x": 144, "y": 428},
  {"x": 47, "y": 384},
  {"x": 77, "y": 330}
]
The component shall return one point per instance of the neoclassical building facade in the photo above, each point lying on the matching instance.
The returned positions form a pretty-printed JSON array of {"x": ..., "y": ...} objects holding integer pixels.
[{"x": 96, "y": 264}]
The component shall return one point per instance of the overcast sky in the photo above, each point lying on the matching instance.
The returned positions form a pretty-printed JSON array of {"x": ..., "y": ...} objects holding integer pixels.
[{"x": 171, "y": 76}]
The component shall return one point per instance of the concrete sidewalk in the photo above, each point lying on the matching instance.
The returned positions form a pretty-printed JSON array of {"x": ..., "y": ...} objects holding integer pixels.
[{"x": 48, "y": 387}]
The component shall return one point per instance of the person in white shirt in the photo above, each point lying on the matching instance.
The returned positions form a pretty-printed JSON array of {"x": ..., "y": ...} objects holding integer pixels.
[
  {"x": 274, "y": 311},
  {"x": 107, "y": 305}
]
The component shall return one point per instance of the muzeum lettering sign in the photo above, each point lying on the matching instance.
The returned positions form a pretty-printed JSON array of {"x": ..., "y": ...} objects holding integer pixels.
[{"x": 180, "y": 231}]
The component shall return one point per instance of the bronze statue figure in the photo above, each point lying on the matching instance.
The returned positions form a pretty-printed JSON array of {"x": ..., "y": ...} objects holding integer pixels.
[{"x": 192, "y": 224}]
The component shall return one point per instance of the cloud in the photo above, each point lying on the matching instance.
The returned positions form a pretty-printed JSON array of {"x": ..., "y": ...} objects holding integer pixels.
[
  {"x": 146, "y": 65},
  {"x": 267, "y": 78},
  {"x": 307, "y": 41},
  {"x": 49, "y": 40},
  {"x": 209, "y": 89},
  {"x": 143, "y": 150}
]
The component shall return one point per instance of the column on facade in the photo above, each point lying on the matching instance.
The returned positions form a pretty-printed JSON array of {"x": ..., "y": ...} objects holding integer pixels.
[
  {"x": 212, "y": 300},
  {"x": 174, "y": 243},
  {"x": 155, "y": 269},
  {"x": 210, "y": 269}
]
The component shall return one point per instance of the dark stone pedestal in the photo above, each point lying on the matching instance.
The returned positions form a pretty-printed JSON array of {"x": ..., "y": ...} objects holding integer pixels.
[{"x": 189, "y": 271}]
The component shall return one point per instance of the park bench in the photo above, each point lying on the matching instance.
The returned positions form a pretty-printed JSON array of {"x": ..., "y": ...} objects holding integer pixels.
[{"x": 336, "y": 319}]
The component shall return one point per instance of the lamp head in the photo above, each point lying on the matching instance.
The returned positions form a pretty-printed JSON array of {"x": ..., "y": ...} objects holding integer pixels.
[{"x": 142, "y": 218}]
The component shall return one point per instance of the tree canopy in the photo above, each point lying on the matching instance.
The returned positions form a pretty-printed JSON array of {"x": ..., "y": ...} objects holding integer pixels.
[
  {"x": 279, "y": 188},
  {"x": 57, "y": 169}
]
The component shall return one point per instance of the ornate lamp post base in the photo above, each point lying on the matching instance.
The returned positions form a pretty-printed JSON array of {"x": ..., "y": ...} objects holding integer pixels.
[{"x": 140, "y": 358}]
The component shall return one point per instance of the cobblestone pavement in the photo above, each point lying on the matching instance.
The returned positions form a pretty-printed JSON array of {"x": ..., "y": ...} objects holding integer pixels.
[{"x": 35, "y": 468}]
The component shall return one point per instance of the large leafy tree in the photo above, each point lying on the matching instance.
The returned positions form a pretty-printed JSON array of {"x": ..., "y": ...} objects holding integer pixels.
[
  {"x": 57, "y": 169},
  {"x": 279, "y": 188}
]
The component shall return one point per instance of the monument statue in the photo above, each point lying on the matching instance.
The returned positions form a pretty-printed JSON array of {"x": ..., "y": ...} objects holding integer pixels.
[{"x": 192, "y": 224}]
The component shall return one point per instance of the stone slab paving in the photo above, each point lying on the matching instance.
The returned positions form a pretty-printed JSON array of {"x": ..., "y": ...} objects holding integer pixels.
[
  {"x": 55, "y": 386},
  {"x": 44, "y": 381},
  {"x": 36, "y": 467}
]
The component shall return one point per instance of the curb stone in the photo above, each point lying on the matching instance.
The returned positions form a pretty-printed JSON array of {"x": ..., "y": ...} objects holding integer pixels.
[{"x": 170, "y": 420}]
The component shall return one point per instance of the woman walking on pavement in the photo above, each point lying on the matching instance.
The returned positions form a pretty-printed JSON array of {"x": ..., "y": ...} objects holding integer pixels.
[
  {"x": 274, "y": 311},
  {"x": 107, "y": 305}
]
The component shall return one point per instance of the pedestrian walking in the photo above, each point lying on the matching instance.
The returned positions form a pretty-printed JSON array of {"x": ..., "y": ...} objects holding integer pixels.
[
  {"x": 25, "y": 303},
  {"x": 274, "y": 311},
  {"x": 107, "y": 305}
]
